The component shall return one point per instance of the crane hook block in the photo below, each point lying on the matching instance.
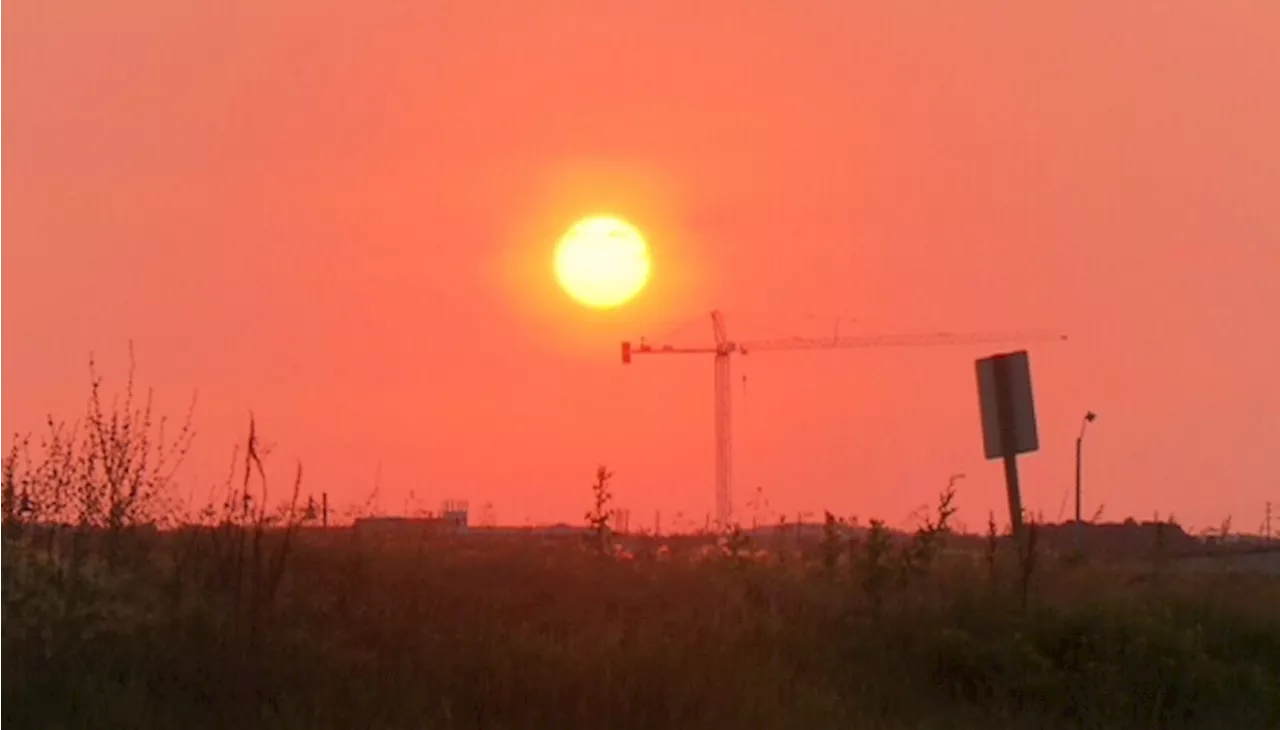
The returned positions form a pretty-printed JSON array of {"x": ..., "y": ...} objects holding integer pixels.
[{"x": 626, "y": 353}]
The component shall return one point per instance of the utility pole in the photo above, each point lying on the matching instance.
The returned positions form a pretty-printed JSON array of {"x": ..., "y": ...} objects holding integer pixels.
[{"x": 1089, "y": 417}]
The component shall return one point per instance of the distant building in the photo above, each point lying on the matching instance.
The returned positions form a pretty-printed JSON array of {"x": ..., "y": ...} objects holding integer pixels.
[
  {"x": 1120, "y": 539},
  {"x": 455, "y": 510},
  {"x": 410, "y": 527}
]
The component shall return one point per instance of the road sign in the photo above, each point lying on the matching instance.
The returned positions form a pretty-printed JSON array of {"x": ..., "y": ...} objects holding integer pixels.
[
  {"x": 1008, "y": 419},
  {"x": 1008, "y": 410}
]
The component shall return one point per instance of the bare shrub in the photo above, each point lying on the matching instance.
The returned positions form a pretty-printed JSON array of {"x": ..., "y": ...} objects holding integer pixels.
[{"x": 600, "y": 517}]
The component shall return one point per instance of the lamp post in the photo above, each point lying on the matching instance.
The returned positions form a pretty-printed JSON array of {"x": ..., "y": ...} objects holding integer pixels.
[{"x": 1089, "y": 417}]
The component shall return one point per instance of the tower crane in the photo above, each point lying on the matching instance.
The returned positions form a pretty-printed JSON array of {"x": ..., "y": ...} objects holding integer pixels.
[{"x": 724, "y": 348}]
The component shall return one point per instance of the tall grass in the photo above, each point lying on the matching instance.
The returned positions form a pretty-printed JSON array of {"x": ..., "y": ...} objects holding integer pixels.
[{"x": 247, "y": 616}]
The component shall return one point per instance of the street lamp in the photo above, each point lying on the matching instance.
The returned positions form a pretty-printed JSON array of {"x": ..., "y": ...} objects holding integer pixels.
[{"x": 1089, "y": 417}]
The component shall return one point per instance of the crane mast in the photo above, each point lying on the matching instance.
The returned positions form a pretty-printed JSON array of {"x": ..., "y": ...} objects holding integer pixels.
[
  {"x": 724, "y": 349},
  {"x": 724, "y": 422}
]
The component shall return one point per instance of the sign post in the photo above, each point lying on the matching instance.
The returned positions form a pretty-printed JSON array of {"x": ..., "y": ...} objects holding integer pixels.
[{"x": 1008, "y": 419}]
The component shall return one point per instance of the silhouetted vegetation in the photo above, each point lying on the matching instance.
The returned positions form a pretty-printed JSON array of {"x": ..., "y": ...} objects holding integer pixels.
[{"x": 249, "y": 616}]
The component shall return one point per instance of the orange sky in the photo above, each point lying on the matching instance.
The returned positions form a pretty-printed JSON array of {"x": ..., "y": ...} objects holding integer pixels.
[{"x": 341, "y": 216}]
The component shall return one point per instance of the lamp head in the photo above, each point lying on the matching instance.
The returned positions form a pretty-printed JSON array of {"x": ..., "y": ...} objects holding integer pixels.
[{"x": 1090, "y": 416}]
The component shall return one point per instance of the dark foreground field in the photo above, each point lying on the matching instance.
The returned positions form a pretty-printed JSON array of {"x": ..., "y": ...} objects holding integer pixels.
[
  {"x": 227, "y": 628},
  {"x": 252, "y": 618}
]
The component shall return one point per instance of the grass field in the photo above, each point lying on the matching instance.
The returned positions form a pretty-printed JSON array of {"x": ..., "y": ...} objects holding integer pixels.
[{"x": 249, "y": 618}]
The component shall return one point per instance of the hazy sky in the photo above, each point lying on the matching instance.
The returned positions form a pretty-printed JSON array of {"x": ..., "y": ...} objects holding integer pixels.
[{"x": 340, "y": 215}]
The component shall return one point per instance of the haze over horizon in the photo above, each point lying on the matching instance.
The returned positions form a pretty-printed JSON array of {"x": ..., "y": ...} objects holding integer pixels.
[{"x": 341, "y": 217}]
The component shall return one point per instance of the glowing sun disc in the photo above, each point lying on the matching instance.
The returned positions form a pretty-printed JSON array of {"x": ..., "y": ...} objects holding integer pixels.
[{"x": 602, "y": 262}]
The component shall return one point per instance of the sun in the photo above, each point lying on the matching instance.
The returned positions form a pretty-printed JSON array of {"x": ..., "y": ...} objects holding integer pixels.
[{"x": 602, "y": 262}]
